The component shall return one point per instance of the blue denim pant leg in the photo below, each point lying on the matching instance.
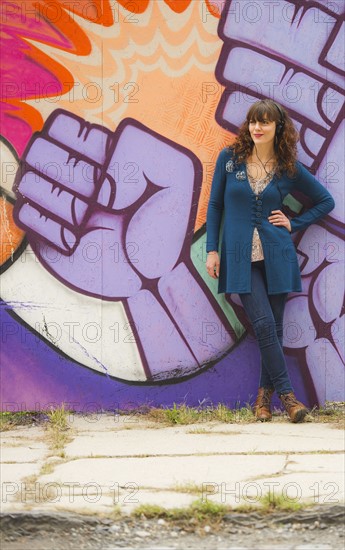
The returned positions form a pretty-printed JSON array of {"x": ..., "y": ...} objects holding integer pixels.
[
  {"x": 277, "y": 302},
  {"x": 265, "y": 312}
]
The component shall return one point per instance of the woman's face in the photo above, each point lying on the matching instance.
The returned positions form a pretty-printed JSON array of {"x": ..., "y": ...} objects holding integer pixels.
[{"x": 262, "y": 132}]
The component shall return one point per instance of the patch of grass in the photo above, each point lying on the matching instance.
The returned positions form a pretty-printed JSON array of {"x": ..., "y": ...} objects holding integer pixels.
[
  {"x": 333, "y": 407},
  {"x": 204, "y": 509},
  {"x": 199, "y": 431},
  {"x": 58, "y": 430},
  {"x": 182, "y": 414},
  {"x": 28, "y": 490},
  {"x": 116, "y": 513},
  {"x": 222, "y": 413},
  {"x": 10, "y": 420},
  {"x": 155, "y": 414},
  {"x": 198, "y": 512},
  {"x": 48, "y": 468},
  {"x": 232, "y": 416},
  {"x": 150, "y": 511},
  {"x": 246, "y": 509},
  {"x": 58, "y": 418},
  {"x": 272, "y": 502},
  {"x": 332, "y": 411}
]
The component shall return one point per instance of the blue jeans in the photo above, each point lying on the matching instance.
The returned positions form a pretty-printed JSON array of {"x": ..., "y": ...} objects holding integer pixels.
[{"x": 265, "y": 312}]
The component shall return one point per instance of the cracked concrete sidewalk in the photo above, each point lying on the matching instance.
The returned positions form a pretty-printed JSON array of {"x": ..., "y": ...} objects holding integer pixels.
[{"x": 118, "y": 461}]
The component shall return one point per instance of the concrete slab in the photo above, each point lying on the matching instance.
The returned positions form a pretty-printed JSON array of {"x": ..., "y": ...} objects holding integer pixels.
[
  {"x": 129, "y": 461},
  {"x": 92, "y": 422},
  {"x": 319, "y": 488},
  {"x": 166, "y": 499},
  {"x": 24, "y": 454},
  {"x": 331, "y": 463},
  {"x": 165, "y": 472},
  {"x": 317, "y": 432},
  {"x": 15, "y": 473},
  {"x": 14, "y": 488},
  {"x": 106, "y": 503},
  {"x": 101, "y": 422},
  {"x": 27, "y": 433},
  {"x": 219, "y": 439}
]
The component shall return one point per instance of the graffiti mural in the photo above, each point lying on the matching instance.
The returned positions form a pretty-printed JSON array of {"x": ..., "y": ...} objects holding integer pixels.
[{"x": 112, "y": 116}]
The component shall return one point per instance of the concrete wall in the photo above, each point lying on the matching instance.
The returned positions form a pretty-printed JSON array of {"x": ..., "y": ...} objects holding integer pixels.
[{"x": 117, "y": 112}]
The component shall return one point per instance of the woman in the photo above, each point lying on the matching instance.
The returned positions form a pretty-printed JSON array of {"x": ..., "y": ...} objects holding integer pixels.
[{"x": 258, "y": 258}]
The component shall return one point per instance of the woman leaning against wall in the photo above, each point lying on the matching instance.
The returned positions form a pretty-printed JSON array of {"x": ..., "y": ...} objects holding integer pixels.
[{"x": 258, "y": 260}]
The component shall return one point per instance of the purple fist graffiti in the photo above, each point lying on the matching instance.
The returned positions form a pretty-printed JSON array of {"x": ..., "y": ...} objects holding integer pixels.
[
  {"x": 105, "y": 202},
  {"x": 292, "y": 51},
  {"x": 111, "y": 216}
]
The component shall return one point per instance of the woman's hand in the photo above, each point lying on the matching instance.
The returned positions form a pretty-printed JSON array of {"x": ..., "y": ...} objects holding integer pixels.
[
  {"x": 278, "y": 218},
  {"x": 212, "y": 264}
]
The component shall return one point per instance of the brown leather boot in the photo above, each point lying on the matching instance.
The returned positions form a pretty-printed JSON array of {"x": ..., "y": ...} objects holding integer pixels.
[
  {"x": 295, "y": 409},
  {"x": 262, "y": 405}
]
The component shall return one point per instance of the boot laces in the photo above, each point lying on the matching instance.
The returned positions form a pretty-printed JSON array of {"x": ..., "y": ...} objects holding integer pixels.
[
  {"x": 290, "y": 400},
  {"x": 266, "y": 398}
]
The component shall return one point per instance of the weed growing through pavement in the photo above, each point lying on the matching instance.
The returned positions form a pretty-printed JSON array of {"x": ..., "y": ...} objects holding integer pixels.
[
  {"x": 274, "y": 502},
  {"x": 182, "y": 414},
  {"x": 197, "y": 513},
  {"x": 332, "y": 412},
  {"x": 10, "y": 420},
  {"x": 178, "y": 414},
  {"x": 198, "y": 431},
  {"x": 58, "y": 430}
]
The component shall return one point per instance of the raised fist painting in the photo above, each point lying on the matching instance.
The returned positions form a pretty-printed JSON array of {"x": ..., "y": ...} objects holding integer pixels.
[{"x": 110, "y": 215}]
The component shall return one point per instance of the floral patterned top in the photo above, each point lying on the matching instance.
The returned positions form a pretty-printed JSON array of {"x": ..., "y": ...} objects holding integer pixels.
[{"x": 258, "y": 186}]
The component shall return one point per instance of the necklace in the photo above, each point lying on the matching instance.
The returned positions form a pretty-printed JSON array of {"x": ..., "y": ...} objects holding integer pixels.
[
  {"x": 259, "y": 184},
  {"x": 268, "y": 175},
  {"x": 264, "y": 164}
]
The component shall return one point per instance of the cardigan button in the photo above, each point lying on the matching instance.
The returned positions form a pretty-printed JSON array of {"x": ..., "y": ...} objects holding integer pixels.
[{"x": 258, "y": 214}]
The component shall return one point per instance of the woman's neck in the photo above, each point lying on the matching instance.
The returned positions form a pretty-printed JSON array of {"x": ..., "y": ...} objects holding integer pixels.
[
  {"x": 262, "y": 153},
  {"x": 261, "y": 162}
]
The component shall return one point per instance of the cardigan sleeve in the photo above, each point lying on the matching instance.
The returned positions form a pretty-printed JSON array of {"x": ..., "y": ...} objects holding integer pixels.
[
  {"x": 216, "y": 202},
  {"x": 323, "y": 201}
]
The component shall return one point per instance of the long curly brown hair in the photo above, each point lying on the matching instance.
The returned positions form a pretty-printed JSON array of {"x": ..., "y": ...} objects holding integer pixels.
[{"x": 285, "y": 142}]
